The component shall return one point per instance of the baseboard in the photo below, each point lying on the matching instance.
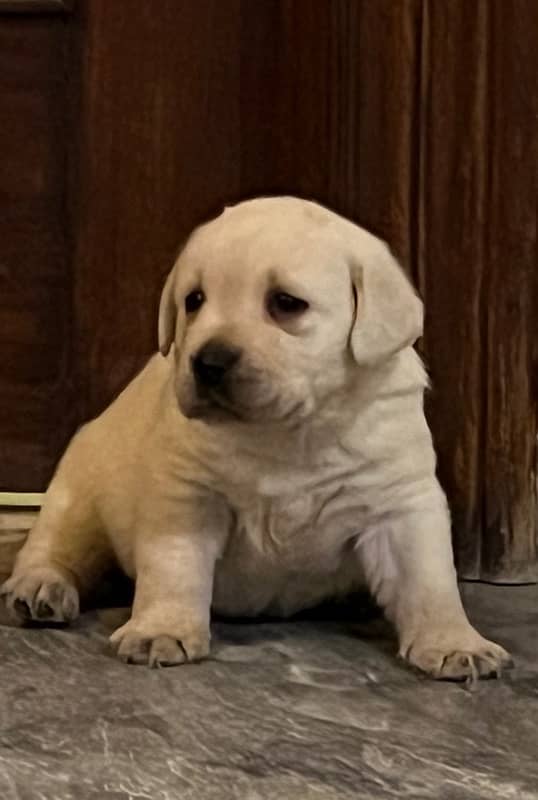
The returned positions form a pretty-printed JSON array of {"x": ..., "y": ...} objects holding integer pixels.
[{"x": 14, "y": 527}]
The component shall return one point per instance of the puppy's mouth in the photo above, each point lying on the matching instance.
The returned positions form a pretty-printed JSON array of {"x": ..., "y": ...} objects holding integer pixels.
[
  {"x": 245, "y": 398},
  {"x": 216, "y": 407},
  {"x": 213, "y": 405}
]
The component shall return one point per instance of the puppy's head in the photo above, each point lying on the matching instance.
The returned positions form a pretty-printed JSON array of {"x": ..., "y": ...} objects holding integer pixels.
[{"x": 275, "y": 305}]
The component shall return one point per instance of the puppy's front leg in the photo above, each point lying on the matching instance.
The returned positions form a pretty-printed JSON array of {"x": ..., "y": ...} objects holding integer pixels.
[
  {"x": 409, "y": 566},
  {"x": 174, "y": 585}
]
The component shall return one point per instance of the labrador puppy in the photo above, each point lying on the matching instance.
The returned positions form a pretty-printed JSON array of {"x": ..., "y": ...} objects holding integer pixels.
[{"x": 272, "y": 455}]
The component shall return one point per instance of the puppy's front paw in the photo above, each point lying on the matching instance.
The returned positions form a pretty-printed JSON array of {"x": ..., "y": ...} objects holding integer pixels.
[
  {"x": 40, "y": 594},
  {"x": 143, "y": 643},
  {"x": 460, "y": 656}
]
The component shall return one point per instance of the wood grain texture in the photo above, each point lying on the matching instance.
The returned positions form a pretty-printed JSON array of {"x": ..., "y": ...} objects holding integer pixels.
[
  {"x": 34, "y": 268},
  {"x": 298, "y": 100},
  {"x": 35, "y": 6},
  {"x": 388, "y": 62},
  {"x": 510, "y": 525},
  {"x": 452, "y": 260},
  {"x": 478, "y": 271}
]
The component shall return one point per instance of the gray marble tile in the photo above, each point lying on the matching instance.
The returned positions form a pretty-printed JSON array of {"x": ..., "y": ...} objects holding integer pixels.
[{"x": 310, "y": 709}]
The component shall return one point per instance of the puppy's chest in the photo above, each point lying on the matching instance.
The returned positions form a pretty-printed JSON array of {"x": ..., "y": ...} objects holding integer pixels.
[{"x": 296, "y": 524}]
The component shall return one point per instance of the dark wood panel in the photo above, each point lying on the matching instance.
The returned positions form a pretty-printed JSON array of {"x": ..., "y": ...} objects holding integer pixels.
[
  {"x": 509, "y": 540},
  {"x": 388, "y": 57},
  {"x": 297, "y": 99},
  {"x": 34, "y": 330},
  {"x": 34, "y": 267},
  {"x": 35, "y": 6},
  {"x": 160, "y": 151},
  {"x": 323, "y": 116},
  {"x": 453, "y": 138}
]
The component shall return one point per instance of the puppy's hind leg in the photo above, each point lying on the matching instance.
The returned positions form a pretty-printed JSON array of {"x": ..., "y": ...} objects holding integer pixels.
[{"x": 64, "y": 553}]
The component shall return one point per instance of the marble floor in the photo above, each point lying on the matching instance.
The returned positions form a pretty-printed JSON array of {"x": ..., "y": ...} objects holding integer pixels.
[{"x": 314, "y": 709}]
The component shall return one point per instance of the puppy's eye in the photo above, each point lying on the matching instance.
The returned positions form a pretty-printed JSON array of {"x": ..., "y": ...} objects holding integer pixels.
[
  {"x": 194, "y": 300},
  {"x": 284, "y": 305}
]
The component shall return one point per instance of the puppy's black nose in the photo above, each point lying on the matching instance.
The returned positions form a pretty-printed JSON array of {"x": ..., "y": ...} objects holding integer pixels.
[{"x": 213, "y": 361}]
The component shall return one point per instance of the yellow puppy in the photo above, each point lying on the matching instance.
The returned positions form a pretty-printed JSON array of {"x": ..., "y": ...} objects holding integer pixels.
[{"x": 273, "y": 454}]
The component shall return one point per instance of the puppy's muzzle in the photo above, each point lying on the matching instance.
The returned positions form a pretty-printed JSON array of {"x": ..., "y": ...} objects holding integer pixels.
[{"x": 213, "y": 363}]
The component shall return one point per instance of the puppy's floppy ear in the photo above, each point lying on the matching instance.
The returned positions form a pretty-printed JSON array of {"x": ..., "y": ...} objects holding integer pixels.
[
  {"x": 388, "y": 314},
  {"x": 167, "y": 314}
]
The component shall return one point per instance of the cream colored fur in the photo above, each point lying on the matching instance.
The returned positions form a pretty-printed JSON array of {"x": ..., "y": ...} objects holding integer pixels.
[{"x": 316, "y": 476}]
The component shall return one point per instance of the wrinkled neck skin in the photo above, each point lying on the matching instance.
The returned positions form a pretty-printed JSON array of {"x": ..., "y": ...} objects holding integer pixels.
[{"x": 347, "y": 428}]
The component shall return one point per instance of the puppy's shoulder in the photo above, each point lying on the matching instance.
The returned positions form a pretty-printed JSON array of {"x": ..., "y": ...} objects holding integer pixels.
[{"x": 139, "y": 405}]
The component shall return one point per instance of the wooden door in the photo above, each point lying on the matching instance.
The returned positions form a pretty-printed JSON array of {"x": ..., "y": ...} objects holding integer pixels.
[
  {"x": 36, "y": 412},
  {"x": 123, "y": 124}
]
